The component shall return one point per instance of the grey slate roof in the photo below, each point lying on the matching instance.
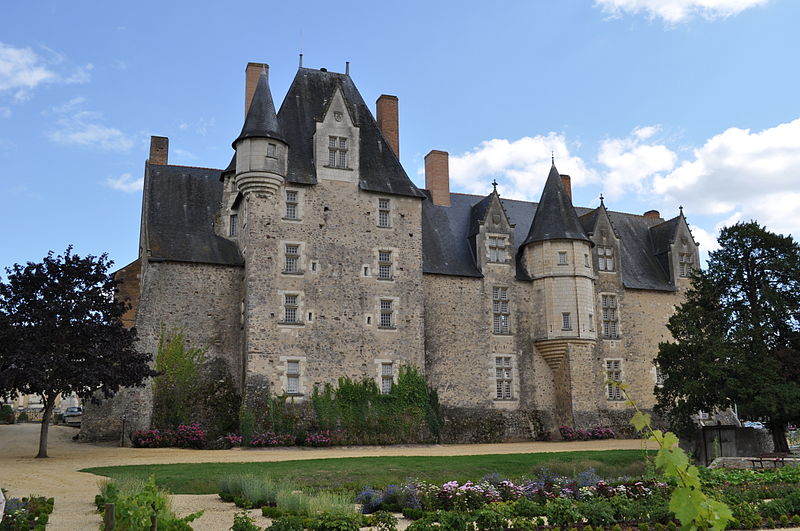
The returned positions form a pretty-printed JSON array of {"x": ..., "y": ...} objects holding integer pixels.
[
  {"x": 446, "y": 235},
  {"x": 261, "y": 120},
  {"x": 305, "y": 104},
  {"x": 556, "y": 219},
  {"x": 180, "y": 204}
]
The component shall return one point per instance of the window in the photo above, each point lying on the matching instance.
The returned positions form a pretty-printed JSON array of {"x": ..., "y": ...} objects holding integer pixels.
[
  {"x": 501, "y": 317},
  {"x": 234, "y": 225},
  {"x": 591, "y": 322},
  {"x": 291, "y": 263},
  {"x": 610, "y": 316},
  {"x": 685, "y": 261},
  {"x": 497, "y": 249},
  {"x": 387, "y": 314},
  {"x": 562, "y": 258},
  {"x": 502, "y": 370},
  {"x": 384, "y": 213},
  {"x": 586, "y": 260},
  {"x": 290, "y": 308},
  {"x": 660, "y": 377},
  {"x": 387, "y": 378},
  {"x": 605, "y": 258},
  {"x": 613, "y": 374},
  {"x": 385, "y": 265},
  {"x": 566, "y": 321},
  {"x": 337, "y": 151},
  {"x": 293, "y": 377},
  {"x": 291, "y": 205},
  {"x": 272, "y": 150}
]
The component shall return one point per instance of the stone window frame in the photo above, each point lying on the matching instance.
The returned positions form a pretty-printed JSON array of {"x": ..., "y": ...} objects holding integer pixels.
[
  {"x": 292, "y": 203},
  {"x": 385, "y": 263},
  {"x": 614, "y": 369},
  {"x": 300, "y": 375},
  {"x": 384, "y": 378},
  {"x": 272, "y": 150},
  {"x": 285, "y": 256},
  {"x": 661, "y": 377},
  {"x": 606, "y": 261},
  {"x": 501, "y": 311},
  {"x": 338, "y": 152},
  {"x": 562, "y": 258},
  {"x": 685, "y": 264},
  {"x": 384, "y": 220},
  {"x": 497, "y": 244},
  {"x": 390, "y": 309},
  {"x": 233, "y": 225},
  {"x": 566, "y": 321},
  {"x": 609, "y": 304},
  {"x": 292, "y": 300},
  {"x": 503, "y": 368}
]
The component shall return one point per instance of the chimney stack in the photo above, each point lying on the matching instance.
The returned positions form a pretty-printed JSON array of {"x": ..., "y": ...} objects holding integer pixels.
[
  {"x": 388, "y": 123},
  {"x": 566, "y": 180},
  {"x": 652, "y": 214},
  {"x": 252, "y": 72},
  {"x": 159, "y": 150},
  {"x": 437, "y": 176}
]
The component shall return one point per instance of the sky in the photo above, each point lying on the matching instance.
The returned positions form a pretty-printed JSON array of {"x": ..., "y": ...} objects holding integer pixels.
[{"x": 655, "y": 104}]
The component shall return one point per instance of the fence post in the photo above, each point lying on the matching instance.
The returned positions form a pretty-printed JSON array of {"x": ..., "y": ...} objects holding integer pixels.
[
  {"x": 109, "y": 518},
  {"x": 154, "y": 519}
]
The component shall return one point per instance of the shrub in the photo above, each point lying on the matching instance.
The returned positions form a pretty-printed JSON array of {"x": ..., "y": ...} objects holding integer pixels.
[
  {"x": 153, "y": 438},
  {"x": 271, "y": 512},
  {"x": 233, "y": 439},
  {"x": 7, "y": 414},
  {"x": 523, "y": 524},
  {"x": 456, "y": 521},
  {"x": 370, "y": 500},
  {"x": 288, "y": 523},
  {"x": 567, "y": 433},
  {"x": 190, "y": 436},
  {"x": 597, "y": 512},
  {"x": 244, "y": 522},
  {"x": 31, "y": 512},
  {"x": 383, "y": 521},
  {"x": 22, "y": 417},
  {"x": 561, "y": 512},
  {"x": 270, "y": 439},
  {"x": 489, "y": 521},
  {"x": 528, "y": 508},
  {"x": 334, "y": 522},
  {"x": 133, "y": 509},
  {"x": 318, "y": 439},
  {"x": 414, "y": 514}
]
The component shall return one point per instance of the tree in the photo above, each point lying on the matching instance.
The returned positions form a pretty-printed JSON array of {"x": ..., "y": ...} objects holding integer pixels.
[
  {"x": 738, "y": 334},
  {"x": 61, "y": 333}
]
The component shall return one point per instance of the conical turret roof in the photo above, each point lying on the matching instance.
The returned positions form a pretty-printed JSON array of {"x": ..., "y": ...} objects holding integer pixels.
[
  {"x": 555, "y": 217},
  {"x": 261, "y": 120}
]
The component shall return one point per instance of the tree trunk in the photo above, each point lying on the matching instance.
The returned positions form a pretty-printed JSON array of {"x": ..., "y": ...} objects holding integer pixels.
[
  {"x": 49, "y": 402},
  {"x": 779, "y": 441}
]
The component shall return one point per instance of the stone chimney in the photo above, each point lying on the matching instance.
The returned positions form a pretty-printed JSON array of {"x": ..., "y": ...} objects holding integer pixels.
[
  {"x": 652, "y": 214},
  {"x": 566, "y": 180},
  {"x": 252, "y": 72},
  {"x": 437, "y": 176},
  {"x": 159, "y": 150},
  {"x": 386, "y": 114}
]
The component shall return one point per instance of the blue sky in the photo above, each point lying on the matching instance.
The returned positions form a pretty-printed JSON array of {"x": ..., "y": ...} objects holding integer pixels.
[{"x": 654, "y": 103}]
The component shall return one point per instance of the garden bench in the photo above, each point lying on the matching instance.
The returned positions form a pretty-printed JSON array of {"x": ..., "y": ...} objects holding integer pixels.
[{"x": 777, "y": 459}]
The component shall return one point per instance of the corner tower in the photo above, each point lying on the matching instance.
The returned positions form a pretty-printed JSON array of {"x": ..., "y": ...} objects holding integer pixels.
[{"x": 556, "y": 256}]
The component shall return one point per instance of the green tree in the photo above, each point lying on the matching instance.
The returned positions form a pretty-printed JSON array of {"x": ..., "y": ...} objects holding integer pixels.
[
  {"x": 61, "y": 333},
  {"x": 738, "y": 334}
]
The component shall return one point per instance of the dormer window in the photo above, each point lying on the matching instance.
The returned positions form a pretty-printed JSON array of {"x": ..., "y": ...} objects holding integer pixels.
[
  {"x": 497, "y": 249},
  {"x": 605, "y": 258},
  {"x": 685, "y": 264},
  {"x": 272, "y": 150},
  {"x": 337, "y": 151}
]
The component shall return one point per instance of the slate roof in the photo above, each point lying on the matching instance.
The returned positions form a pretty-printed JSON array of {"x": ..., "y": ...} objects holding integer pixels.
[
  {"x": 446, "y": 235},
  {"x": 305, "y": 104},
  {"x": 261, "y": 120},
  {"x": 180, "y": 203},
  {"x": 556, "y": 219}
]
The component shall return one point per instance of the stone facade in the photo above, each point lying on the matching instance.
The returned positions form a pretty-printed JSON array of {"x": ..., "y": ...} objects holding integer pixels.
[{"x": 298, "y": 271}]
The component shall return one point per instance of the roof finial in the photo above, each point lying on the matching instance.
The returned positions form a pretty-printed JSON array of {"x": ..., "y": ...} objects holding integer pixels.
[
  {"x": 681, "y": 209},
  {"x": 601, "y": 200},
  {"x": 494, "y": 184},
  {"x": 552, "y": 158},
  {"x": 301, "y": 60}
]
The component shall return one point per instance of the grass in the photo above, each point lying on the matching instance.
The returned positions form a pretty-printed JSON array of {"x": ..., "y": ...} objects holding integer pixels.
[{"x": 353, "y": 473}]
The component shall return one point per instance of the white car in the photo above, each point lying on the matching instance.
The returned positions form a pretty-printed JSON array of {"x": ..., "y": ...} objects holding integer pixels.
[
  {"x": 72, "y": 415},
  {"x": 750, "y": 424}
]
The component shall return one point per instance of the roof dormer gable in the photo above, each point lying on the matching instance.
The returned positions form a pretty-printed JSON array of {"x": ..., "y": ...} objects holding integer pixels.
[{"x": 337, "y": 141}]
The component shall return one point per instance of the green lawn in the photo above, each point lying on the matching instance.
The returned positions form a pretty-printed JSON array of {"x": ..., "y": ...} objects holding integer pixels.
[{"x": 352, "y": 473}]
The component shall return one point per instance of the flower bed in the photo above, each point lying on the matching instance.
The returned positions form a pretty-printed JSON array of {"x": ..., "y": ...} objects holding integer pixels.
[
  {"x": 185, "y": 436},
  {"x": 32, "y": 512},
  {"x": 596, "y": 433}
]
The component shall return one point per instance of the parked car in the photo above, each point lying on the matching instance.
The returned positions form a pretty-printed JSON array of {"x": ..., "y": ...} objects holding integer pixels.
[
  {"x": 753, "y": 424},
  {"x": 72, "y": 415}
]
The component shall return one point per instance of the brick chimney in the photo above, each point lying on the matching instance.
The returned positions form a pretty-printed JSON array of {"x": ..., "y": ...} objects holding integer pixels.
[
  {"x": 566, "y": 180},
  {"x": 437, "y": 176},
  {"x": 252, "y": 72},
  {"x": 386, "y": 114},
  {"x": 652, "y": 214},
  {"x": 159, "y": 150}
]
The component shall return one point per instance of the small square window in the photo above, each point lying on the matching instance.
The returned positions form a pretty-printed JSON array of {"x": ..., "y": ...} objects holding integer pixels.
[
  {"x": 562, "y": 258},
  {"x": 272, "y": 150}
]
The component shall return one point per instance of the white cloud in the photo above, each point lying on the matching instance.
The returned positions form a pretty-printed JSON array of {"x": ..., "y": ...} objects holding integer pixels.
[
  {"x": 22, "y": 70},
  {"x": 743, "y": 175},
  {"x": 674, "y": 11},
  {"x": 5, "y": 112},
  {"x": 126, "y": 183},
  {"x": 199, "y": 126},
  {"x": 76, "y": 126},
  {"x": 632, "y": 163},
  {"x": 521, "y": 166}
]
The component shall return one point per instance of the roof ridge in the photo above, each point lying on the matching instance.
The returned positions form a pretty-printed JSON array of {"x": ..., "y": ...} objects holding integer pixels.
[{"x": 185, "y": 166}]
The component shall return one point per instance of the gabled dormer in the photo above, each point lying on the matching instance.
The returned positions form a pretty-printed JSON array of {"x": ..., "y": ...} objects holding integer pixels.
[
  {"x": 600, "y": 229},
  {"x": 337, "y": 141},
  {"x": 675, "y": 248},
  {"x": 491, "y": 233}
]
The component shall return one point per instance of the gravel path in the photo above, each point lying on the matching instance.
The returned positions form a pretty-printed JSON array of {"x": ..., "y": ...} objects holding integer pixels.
[{"x": 74, "y": 491}]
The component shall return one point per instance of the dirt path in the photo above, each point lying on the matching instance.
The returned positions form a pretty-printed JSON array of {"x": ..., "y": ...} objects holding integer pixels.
[{"x": 74, "y": 491}]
